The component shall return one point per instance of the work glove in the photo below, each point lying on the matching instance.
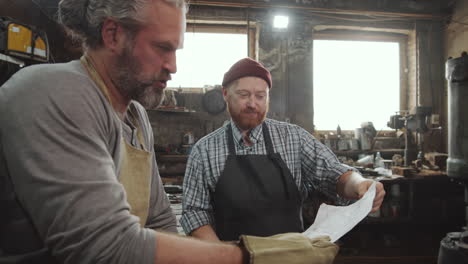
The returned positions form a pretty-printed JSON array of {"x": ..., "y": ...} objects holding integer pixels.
[{"x": 291, "y": 248}]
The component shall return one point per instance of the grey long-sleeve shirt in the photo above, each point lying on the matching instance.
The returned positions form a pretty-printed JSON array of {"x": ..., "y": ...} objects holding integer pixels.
[{"x": 60, "y": 197}]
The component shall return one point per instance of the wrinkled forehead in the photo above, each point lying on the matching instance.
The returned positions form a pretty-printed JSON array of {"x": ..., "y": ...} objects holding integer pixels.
[{"x": 165, "y": 21}]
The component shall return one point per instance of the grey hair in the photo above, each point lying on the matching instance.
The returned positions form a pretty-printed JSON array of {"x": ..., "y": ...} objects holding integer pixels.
[{"x": 83, "y": 19}]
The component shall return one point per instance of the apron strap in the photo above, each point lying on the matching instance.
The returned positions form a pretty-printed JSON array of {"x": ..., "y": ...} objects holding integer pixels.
[
  {"x": 89, "y": 66},
  {"x": 136, "y": 122},
  {"x": 231, "y": 146},
  {"x": 91, "y": 69},
  {"x": 276, "y": 158},
  {"x": 134, "y": 175},
  {"x": 267, "y": 138},
  {"x": 270, "y": 152}
]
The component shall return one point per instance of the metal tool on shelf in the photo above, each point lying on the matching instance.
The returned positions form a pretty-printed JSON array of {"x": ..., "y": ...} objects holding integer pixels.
[{"x": 415, "y": 120}]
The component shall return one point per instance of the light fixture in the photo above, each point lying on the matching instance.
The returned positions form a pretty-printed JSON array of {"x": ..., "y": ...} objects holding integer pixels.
[{"x": 280, "y": 21}]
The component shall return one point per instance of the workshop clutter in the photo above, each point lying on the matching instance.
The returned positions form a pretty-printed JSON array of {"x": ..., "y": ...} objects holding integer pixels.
[
  {"x": 364, "y": 138},
  {"x": 23, "y": 41},
  {"x": 388, "y": 152}
]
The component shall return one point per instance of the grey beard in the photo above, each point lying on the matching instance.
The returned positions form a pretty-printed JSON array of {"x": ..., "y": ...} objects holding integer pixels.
[
  {"x": 149, "y": 99},
  {"x": 128, "y": 83}
]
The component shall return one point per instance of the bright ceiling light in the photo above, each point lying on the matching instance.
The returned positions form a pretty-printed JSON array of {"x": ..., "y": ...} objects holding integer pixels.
[{"x": 281, "y": 21}]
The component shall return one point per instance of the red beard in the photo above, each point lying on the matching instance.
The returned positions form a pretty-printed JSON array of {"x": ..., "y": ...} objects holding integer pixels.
[{"x": 246, "y": 119}]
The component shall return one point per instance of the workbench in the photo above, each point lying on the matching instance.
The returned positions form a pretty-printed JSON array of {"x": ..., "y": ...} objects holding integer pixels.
[{"x": 411, "y": 224}]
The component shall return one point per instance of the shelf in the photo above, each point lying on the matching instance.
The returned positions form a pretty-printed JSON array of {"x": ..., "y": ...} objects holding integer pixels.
[
  {"x": 171, "y": 158},
  {"x": 357, "y": 152},
  {"x": 169, "y": 174},
  {"x": 173, "y": 110},
  {"x": 172, "y": 180},
  {"x": 10, "y": 59},
  {"x": 172, "y": 189}
]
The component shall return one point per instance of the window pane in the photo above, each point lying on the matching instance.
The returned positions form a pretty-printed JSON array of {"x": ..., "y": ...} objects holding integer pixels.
[
  {"x": 206, "y": 57},
  {"x": 355, "y": 82}
]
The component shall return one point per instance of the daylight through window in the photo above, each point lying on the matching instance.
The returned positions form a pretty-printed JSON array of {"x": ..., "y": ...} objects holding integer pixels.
[
  {"x": 355, "y": 82},
  {"x": 206, "y": 57}
]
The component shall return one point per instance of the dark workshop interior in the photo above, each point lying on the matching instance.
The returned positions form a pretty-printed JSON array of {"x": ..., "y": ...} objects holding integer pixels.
[{"x": 383, "y": 84}]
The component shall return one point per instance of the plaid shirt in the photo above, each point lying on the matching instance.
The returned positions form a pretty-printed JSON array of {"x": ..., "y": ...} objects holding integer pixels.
[{"x": 313, "y": 166}]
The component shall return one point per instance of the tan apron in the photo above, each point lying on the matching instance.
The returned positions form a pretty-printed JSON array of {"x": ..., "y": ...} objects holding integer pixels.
[{"x": 136, "y": 164}]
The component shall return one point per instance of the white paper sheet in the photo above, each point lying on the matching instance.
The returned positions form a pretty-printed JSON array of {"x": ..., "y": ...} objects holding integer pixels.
[{"x": 335, "y": 221}]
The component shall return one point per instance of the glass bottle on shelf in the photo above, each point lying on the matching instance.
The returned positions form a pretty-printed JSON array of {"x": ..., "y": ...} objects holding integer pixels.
[{"x": 378, "y": 161}]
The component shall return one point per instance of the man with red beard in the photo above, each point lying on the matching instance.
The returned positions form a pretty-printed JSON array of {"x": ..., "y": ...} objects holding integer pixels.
[{"x": 251, "y": 175}]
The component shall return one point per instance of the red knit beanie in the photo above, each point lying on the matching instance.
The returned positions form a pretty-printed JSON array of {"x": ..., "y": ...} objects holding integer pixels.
[{"x": 246, "y": 67}]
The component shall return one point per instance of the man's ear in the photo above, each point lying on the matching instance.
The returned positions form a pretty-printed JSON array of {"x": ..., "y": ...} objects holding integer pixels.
[
  {"x": 225, "y": 91},
  {"x": 113, "y": 35}
]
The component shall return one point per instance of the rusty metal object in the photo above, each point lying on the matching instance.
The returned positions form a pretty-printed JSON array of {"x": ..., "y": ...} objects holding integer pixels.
[
  {"x": 403, "y": 171},
  {"x": 437, "y": 159},
  {"x": 454, "y": 248}
]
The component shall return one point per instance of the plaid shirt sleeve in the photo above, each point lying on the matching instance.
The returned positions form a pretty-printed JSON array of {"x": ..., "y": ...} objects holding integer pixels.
[
  {"x": 321, "y": 168},
  {"x": 197, "y": 210}
]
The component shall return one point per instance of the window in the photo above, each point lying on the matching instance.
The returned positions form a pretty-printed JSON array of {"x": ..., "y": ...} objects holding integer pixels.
[
  {"x": 355, "y": 82},
  {"x": 206, "y": 57}
]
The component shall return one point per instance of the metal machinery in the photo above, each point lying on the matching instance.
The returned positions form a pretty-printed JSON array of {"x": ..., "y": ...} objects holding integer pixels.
[
  {"x": 454, "y": 247},
  {"x": 414, "y": 121}
]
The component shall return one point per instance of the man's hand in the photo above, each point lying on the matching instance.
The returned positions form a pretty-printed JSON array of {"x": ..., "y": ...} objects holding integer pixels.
[
  {"x": 291, "y": 248},
  {"x": 351, "y": 185},
  {"x": 379, "y": 193}
]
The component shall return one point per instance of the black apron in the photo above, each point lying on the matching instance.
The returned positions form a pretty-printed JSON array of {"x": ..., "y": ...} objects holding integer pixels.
[{"x": 256, "y": 195}]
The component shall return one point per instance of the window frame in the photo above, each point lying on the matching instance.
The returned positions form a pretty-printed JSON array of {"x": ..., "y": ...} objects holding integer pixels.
[
  {"x": 250, "y": 29},
  {"x": 398, "y": 36}
]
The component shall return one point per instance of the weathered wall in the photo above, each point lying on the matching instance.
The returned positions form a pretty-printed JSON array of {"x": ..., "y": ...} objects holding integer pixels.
[
  {"x": 428, "y": 86},
  {"x": 169, "y": 127},
  {"x": 457, "y": 31},
  {"x": 288, "y": 55}
]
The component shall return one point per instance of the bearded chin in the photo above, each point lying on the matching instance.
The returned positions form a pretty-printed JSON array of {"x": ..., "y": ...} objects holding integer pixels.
[
  {"x": 244, "y": 123},
  {"x": 133, "y": 86},
  {"x": 149, "y": 98}
]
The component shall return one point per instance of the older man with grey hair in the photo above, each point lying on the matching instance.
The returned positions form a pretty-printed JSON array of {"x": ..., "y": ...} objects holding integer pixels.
[{"x": 78, "y": 177}]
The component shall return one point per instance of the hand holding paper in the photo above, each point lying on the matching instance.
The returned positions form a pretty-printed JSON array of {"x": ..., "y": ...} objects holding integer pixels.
[{"x": 335, "y": 221}]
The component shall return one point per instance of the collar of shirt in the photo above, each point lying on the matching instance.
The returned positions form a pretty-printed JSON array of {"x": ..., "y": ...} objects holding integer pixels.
[{"x": 255, "y": 135}]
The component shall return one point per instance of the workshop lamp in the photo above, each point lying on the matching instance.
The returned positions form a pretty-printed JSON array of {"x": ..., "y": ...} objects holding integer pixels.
[{"x": 280, "y": 21}]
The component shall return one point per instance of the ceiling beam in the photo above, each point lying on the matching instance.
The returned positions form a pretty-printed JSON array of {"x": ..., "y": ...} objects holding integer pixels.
[{"x": 318, "y": 9}]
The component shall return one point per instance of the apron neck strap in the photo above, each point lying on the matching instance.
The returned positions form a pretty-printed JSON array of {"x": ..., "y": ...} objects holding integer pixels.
[
  {"x": 91, "y": 69},
  {"x": 89, "y": 66},
  {"x": 132, "y": 116},
  {"x": 266, "y": 138},
  {"x": 231, "y": 146}
]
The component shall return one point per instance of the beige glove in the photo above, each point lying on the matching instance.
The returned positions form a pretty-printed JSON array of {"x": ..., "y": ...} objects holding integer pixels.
[{"x": 291, "y": 248}]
